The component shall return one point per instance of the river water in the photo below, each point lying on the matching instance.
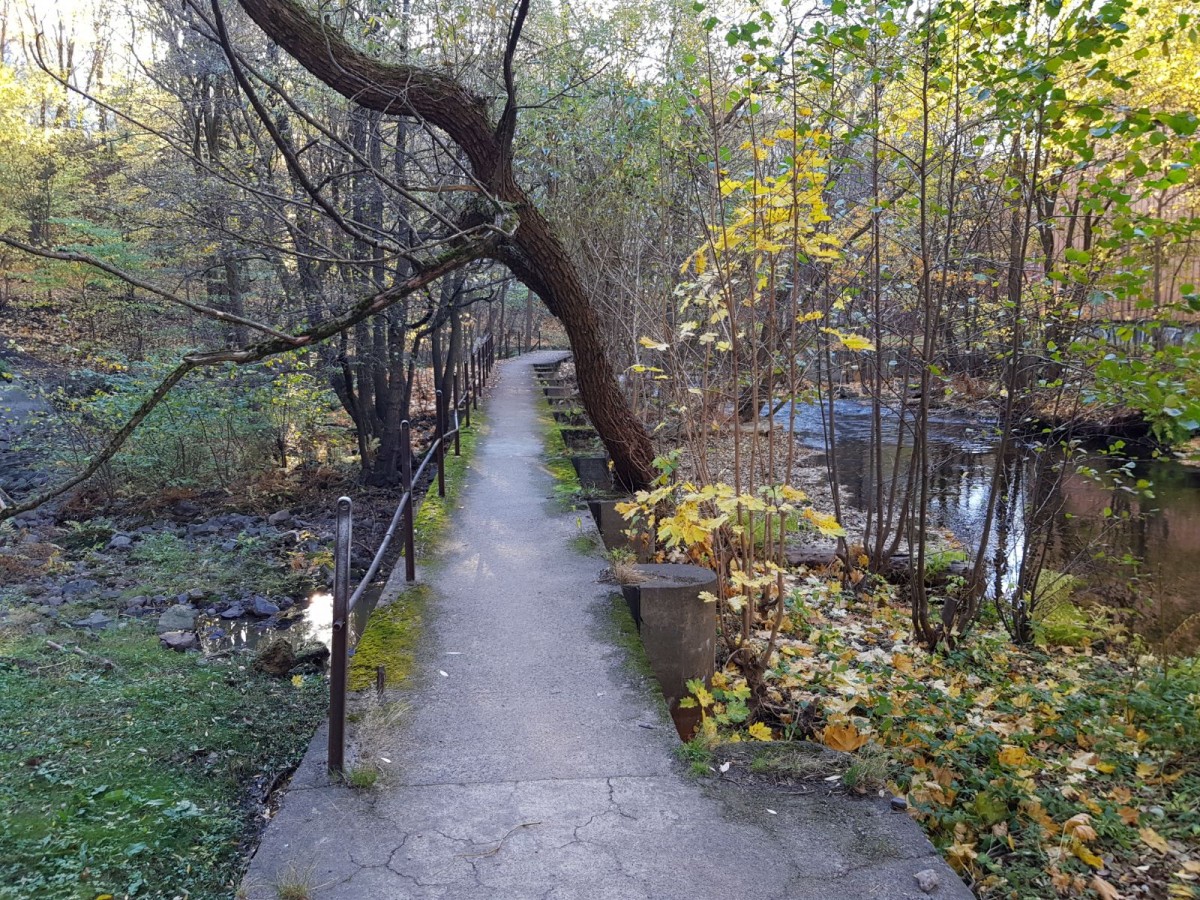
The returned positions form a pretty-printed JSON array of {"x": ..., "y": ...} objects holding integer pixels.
[{"x": 1145, "y": 556}]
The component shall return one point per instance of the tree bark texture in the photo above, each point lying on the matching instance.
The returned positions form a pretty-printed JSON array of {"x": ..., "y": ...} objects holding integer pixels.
[{"x": 534, "y": 253}]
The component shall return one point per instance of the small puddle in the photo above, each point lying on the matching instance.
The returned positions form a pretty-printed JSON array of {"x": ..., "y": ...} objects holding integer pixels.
[{"x": 308, "y": 621}]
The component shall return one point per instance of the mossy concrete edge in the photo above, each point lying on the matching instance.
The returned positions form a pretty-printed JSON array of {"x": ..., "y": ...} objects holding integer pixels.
[{"x": 393, "y": 630}]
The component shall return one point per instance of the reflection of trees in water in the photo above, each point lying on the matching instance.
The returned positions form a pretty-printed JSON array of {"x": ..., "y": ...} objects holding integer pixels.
[{"x": 1050, "y": 515}]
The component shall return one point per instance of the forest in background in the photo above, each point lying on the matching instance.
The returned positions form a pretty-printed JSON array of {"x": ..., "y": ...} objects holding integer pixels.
[{"x": 254, "y": 267}]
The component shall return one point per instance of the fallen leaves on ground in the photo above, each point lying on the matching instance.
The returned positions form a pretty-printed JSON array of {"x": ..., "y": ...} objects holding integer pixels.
[{"x": 1071, "y": 772}]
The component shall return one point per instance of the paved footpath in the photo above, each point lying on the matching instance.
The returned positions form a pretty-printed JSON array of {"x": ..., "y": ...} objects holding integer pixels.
[{"x": 533, "y": 764}]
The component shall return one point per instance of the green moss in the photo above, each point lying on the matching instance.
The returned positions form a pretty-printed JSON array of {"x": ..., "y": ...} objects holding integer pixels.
[
  {"x": 583, "y": 543},
  {"x": 390, "y": 640},
  {"x": 557, "y": 459},
  {"x": 624, "y": 633},
  {"x": 434, "y": 511},
  {"x": 393, "y": 631}
]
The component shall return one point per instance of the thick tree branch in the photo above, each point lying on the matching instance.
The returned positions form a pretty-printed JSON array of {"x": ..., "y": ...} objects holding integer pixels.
[
  {"x": 387, "y": 87},
  {"x": 506, "y": 128}
]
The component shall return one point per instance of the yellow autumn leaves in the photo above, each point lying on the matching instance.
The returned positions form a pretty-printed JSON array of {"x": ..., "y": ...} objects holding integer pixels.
[
  {"x": 776, "y": 212},
  {"x": 685, "y": 517}
]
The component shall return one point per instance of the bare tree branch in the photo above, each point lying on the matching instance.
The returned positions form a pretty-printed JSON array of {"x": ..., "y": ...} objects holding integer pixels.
[
  {"x": 507, "y": 126},
  {"x": 135, "y": 281},
  {"x": 364, "y": 308}
]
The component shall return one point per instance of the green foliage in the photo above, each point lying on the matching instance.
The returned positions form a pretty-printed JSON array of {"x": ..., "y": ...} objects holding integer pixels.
[
  {"x": 1163, "y": 385},
  {"x": 390, "y": 639},
  {"x": 1066, "y": 625},
  {"x": 215, "y": 429},
  {"x": 139, "y": 781}
]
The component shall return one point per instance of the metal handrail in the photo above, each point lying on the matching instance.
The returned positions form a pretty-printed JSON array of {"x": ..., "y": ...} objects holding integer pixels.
[
  {"x": 405, "y": 500},
  {"x": 474, "y": 370}
]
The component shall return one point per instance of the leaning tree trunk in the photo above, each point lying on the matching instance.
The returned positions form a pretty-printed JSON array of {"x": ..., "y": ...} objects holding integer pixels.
[{"x": 534, "y": 253}]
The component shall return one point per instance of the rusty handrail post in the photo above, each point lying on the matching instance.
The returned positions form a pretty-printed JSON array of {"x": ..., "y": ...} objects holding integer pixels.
[
  {"x": 476, "y": 386},
  {"x": 440, "y": 425},
  {"x": 469, "y": 374},
  {"x": 466, "y": 391},
  {"x": 457, "y": 426},
  {"x": 340, "y": 639},
  {"x": 410, "y": 542}
]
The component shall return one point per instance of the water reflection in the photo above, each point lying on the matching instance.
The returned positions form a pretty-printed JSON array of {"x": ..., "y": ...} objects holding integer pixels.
[
  {"x": 308, "y": 621},
  {"x": 1145, "y": 552}
]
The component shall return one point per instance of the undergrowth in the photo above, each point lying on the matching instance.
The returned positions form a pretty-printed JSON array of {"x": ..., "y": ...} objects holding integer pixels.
[
  {"x": 1073, "y": 771},
  {"x": 139, "y": 781}
]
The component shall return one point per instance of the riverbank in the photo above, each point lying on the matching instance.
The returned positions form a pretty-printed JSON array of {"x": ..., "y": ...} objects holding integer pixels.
[
  {"x": 1055, "y": 771},
  {"x": 1069, "y": 768},
  {"x": 128, "y": 769}
]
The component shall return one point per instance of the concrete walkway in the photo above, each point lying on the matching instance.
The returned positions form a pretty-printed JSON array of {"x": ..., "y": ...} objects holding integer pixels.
[{"x": 533, "y": 764}]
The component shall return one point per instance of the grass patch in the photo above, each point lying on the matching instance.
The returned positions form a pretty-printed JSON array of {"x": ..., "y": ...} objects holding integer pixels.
[
  {"x": 567, "y": 489},
  {"x": 140, "y": 781},
  {"x": 434, "y": 511},
  {"x": 167, "y": 564},
  {"x": 791, "y": 760},
  {"x": 390, "y": 640},
  {"x": 294, "y": 884},
  {"x": 698, "y": 757},
  {"x": 362, "y": 777}
]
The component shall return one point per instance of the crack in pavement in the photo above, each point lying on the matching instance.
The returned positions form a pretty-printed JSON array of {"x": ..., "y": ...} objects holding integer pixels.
[{"x": 537, "y": 721}]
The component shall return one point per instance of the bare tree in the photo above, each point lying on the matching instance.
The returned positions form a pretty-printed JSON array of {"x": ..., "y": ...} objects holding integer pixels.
[{"x": 534, "y": 253}]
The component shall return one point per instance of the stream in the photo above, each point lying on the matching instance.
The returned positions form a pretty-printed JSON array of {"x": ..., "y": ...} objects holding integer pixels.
[{"x": 1143, "y": 556}]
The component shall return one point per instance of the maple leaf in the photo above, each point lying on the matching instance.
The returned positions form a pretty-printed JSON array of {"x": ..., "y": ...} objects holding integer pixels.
[
  {"x": 843, "y": 737},
  {"x": 1128, "y": 815},
  {"x": 824, "y": 523},
  {"x": 760, "y": 732},
  {"x": 1104, "y": 889},
  {"x": 1154, "y": 840},
  {"x": 1014, "y": 757},
  {"x": 850, "y": 341},
  {"x": 1092, "y": 859},
  {"x": 1079, "y": 826}
]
